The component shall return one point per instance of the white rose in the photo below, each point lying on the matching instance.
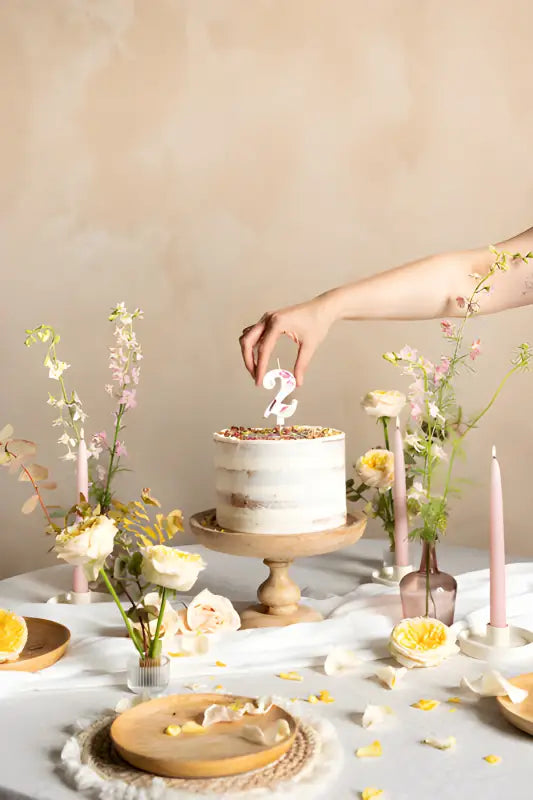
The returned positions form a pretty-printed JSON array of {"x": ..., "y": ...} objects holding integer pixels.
[
  {"x": 87, "y": 543},
  {"x": 169, "y": 623},
  {"x": 171, "y": 568},
  {"x": 376, "y": 469},
  {"x": 383, "y": 404},
  {"x": 209, "y": 613}
]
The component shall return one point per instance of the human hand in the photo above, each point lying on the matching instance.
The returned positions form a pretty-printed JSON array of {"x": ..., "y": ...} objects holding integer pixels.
[{"x": 307, "y": 324}]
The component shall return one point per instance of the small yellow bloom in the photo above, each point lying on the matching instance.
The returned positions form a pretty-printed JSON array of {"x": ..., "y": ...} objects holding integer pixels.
[
  {"x": 426, "y": 705},
  {"x": 192, "y": 727},
  {"x": 454, "y": 700},
  {"x": 371, "y": 751},
  {"x": 290, "y": 676},
  {"x": 220, "y": 664},
  {"x": 312, "y": 698},
  {"x": 172, "y": 730},
  {"x": 370, "y": 793},
  {"x": 492, "y": 759}
]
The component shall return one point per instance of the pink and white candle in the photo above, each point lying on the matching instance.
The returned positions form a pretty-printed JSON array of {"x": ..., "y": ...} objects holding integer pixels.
[
  {"x": 498, "y": 614},
  {"x": 399, "y": 494},
  {"x": 79, "y": 581}
]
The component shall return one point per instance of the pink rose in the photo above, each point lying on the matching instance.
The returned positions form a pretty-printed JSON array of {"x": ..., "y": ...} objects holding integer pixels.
[{"x": 209, "y": 613}]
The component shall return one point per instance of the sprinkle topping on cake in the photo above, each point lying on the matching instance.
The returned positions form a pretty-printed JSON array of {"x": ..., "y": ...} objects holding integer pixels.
[{"x": 291, "y": 432}]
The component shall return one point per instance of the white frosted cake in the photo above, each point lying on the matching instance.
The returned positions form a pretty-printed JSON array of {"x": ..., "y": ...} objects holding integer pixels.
[{"x": 272, "y": 482}]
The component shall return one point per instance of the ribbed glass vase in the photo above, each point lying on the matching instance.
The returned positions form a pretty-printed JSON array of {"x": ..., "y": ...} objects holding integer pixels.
[
  {"x": 148, "y": 676},
  {"x": 428, "y": 592}
]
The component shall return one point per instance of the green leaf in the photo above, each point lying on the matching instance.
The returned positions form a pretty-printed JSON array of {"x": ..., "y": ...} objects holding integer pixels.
[{"x": 135, "y": 564}]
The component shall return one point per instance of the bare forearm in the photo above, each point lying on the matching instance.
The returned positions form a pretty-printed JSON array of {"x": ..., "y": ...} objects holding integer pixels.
[{"x": 430, "y": 287}]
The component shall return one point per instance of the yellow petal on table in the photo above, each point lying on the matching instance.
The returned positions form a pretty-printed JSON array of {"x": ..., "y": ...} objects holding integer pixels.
[
  {"x": 371, "y": 792},
  {"x": 192, "y": 727},
  {"x": 492, "y": 759},
  {"x": 219, "y": 688},
  {"x": 172, "y": 730},
  {"x": 426, "y": 705},
  {"x": 312, "y": 698},
  {"x": 440, "y": 744},
  {"x": 454, "y": 700},
  {"x": 375, "y": 715},
  {"x": 390, "y": 676},
  {"x": 290, "y": 676},
  {"x": 373, "y": 750},
  {"x": 325, "y": 697},
  {"x": 220, "y": 664}
]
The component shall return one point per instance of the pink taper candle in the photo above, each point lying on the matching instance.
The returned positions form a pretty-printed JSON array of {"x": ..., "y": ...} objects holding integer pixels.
[
  {"x": 79, "y": 581},
  {"x": 399, "y": 493},
  {"x": 498, "y": 616}
]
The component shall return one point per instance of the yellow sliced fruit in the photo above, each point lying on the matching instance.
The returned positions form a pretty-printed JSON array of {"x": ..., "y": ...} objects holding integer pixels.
[
  {"x": 373, "y": 750},
  {"x": 13, "y": 635},
  {"x": 426, "y": 705}
]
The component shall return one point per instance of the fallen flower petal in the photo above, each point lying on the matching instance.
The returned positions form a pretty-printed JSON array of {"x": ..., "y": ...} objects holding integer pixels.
[
  {"x": 390, "y": 676},
  {"x": 375, "y": 715},
  {"x": 426, "y": 705},
  {"x": 373, "y": 750},
  {"x": 290, "y": 676},
  {"x": 492, "y": 759},
  {"x": 370, "y": 793},
  {"x": 341, "y": 662},
  {"x": 440, "y": 744},
  {"x": 192, "y": 727},
  {"x": 493, "y": 684},
  {"x": 275, "y": 733}
]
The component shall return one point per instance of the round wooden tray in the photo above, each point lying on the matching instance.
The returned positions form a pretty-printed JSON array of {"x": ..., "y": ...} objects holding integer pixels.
[
  {"x": 279, "y": 595},
  {"x": 46, "y": 644},
  {"x": 138, "y": 735},
  {"x": 520, "y": 714}
]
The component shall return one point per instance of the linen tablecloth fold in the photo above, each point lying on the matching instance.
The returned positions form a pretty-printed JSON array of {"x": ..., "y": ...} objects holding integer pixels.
[{"x": 361, "y": 620}]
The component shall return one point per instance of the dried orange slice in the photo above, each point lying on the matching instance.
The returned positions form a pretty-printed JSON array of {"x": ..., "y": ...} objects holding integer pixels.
[{"x": 13, "y": 635}]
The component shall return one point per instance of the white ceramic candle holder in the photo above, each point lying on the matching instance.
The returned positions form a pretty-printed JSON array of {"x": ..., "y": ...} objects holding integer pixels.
[
  {"x": 80, "y": 598},
  {"x": 486, "y": 643},
  {"x": 391, "y": 575}
]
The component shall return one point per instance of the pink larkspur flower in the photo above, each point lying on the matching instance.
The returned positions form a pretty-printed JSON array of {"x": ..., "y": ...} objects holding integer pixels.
[
  {"x": 442, "y": 369},
  {"x": 408, "y": 354},
  {"x": 416, "y": 411},
  {"x": 447, "y": 328},
  {"x": 109, "y": 388},
  {"x": 461, "y": 302},
  {"x": 100, "y": 437},
  {"x": 128, "y": 398},
  {"x": 120, "y": 449},
  {"x": 475, "y": 349}
]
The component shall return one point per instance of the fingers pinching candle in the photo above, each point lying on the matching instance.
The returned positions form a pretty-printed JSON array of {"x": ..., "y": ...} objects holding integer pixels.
[{"x": 287, "y": 385}]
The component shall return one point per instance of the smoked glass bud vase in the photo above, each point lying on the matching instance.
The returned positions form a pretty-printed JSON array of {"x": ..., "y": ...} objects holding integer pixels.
[{"x": 428, "y": 592}]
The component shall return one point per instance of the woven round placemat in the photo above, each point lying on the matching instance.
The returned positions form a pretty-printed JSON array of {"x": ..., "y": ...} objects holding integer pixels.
[{"x": 97, "y": 753}]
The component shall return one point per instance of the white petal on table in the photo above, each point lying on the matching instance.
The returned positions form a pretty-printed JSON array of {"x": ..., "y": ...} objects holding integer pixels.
[
  {"x": 390, "y": 675},
  {"x": 275, "y": 733},
  {"x": 341, "y": 661},
  {"x": 493, "y": 684},
  {"x": 375, "y": 715}
]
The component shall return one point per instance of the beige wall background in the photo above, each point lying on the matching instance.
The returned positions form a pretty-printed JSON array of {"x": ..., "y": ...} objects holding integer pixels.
[{"x": 210, "y": 160}]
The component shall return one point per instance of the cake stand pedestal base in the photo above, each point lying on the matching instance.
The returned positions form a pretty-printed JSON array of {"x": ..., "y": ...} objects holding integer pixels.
[{"x": 279, "y": 596}]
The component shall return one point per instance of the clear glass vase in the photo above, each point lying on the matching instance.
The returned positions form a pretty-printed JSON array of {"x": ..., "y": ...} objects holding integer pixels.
[
  {"x": 428, "y": 592},
  {"x": 148, "y": 676}
]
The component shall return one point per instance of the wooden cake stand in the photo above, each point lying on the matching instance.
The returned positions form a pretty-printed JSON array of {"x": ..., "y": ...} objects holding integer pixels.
[{"x": 279, "y": 596}]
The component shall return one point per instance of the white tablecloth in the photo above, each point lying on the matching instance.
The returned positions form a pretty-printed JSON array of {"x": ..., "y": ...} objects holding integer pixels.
[{"x": 34, "y": 724}]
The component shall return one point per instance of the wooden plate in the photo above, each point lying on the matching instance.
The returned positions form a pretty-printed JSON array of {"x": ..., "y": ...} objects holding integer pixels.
[
  {"x": 47, "y": 642},
  {"x": 139, "y": 737},
  {"x": 520, "y": 714}
]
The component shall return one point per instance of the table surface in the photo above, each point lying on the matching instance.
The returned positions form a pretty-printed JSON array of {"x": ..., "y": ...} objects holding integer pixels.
[{"x": 36, "y": 723}]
